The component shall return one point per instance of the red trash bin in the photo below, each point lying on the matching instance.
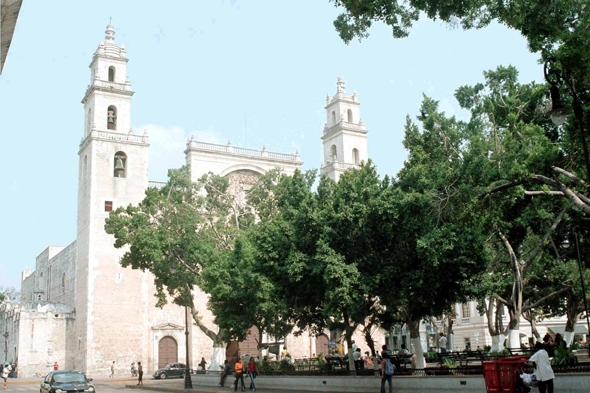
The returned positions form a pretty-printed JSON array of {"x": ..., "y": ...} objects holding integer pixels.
[
  {"x": 491, "y": 376},
  {"x": 509, "y": 370}
]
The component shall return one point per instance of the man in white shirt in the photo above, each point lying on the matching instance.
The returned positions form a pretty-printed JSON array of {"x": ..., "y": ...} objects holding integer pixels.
[
  {"x": 543, "y": 369},
  {"x": 442, "y": 342}
]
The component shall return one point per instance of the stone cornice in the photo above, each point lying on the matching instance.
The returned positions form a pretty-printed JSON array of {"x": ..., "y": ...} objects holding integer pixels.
[
  {"x": 103, "y": 56},
  {"x": 108, "y": 136},
  {"x": 92, "y": 88},
  {"x": 211, "y": 149}
]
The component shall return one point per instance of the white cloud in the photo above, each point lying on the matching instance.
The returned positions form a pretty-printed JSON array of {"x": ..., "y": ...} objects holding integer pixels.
[{"x": 167, "y": 145}]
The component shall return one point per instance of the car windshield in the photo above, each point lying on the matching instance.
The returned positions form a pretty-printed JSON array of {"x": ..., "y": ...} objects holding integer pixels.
[{"x": 69, "y": 378}]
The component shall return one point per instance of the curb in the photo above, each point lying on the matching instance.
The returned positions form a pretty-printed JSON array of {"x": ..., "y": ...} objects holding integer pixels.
[{"x": 177, "y": 390}]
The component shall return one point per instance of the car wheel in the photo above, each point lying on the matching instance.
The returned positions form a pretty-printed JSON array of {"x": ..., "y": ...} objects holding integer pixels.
[{"x": 163, "y": 376}]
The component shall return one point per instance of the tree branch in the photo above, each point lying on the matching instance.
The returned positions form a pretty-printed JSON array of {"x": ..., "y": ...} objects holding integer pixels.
[
  {"x": 570, "y": 175},
  {"x": 535, "y": 193},
  {"x": 545, "y": 298},
  {"x": 546, "y": 237}
]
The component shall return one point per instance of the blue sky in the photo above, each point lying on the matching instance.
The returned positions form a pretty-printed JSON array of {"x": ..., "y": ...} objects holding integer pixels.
[{"x": 206, "y": 68}]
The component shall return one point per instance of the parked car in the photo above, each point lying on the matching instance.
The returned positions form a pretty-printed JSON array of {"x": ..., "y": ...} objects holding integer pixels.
[
  {"x": 66, "y": 382},
  {"x": 172, "y": 370}
]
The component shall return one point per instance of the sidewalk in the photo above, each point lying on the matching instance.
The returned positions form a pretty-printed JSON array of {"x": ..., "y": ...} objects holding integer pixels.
[{"x": 177, "y": 386}]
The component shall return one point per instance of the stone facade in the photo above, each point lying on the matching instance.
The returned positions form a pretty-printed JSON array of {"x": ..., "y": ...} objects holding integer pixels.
[{"x": 80, "y": 307}]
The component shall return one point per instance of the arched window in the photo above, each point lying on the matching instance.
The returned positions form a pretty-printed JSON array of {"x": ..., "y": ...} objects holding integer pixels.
[
  {"x": 111, "y": 74},
  {"x": 355, "y": 156},
  {"x": 89, "y": 120},
  {"x": 349, "y": 116},
  {"x": 334, "y": 153},
  {"x": 112, "y": 117},
  {"x": 333, "y": 117},
  {"x": 120, "y": 165},
  {"x": 63, "y": 282}
]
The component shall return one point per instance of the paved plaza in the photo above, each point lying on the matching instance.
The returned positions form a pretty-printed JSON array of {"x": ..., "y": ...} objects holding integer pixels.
[{"x": 123, "y": 385}]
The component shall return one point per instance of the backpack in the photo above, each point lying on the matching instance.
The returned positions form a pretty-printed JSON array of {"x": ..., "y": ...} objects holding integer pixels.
[{"x": 388, "y": 367}]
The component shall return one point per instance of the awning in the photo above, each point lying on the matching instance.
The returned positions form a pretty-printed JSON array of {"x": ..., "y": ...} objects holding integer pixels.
[{"x": 580, "y": 329}]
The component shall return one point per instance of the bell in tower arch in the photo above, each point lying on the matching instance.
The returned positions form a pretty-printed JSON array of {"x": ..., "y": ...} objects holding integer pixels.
[{"x": 120, "y": 165}]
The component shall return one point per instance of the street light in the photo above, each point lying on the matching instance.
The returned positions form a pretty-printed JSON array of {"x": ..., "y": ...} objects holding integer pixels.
[
  {"x": 188, "y": 382},
  {"x": 558, "y": 113}
]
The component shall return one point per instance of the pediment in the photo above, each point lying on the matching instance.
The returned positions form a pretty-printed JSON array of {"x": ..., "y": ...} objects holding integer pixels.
[{"x": 168, "y": 326}]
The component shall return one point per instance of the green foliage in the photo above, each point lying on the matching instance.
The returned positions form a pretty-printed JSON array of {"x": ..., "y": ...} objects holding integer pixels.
[
  {"x": 449, "y": 363},
  {"x": 564, "y": 357},
  {"x": 431, "y": 356}
]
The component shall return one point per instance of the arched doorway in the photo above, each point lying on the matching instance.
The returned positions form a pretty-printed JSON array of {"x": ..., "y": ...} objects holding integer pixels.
[
  {"x": 167, "y": 351},
  {"x": 321, "y": 345}
]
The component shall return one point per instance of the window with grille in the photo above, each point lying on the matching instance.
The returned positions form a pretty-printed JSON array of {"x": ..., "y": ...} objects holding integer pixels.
[{"x": 108, "y": 206}]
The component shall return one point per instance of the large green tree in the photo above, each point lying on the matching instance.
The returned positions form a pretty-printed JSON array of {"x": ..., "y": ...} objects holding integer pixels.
[
  {"x": 177, "y": 231},
  {"x": 429, "y": 228},
  {"x": 317, "y": 249}
]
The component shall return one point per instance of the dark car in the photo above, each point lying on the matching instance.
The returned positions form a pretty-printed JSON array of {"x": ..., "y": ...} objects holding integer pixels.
[
  {"x": 66, "y": 382},
  {"x": 172, "y": 370}
]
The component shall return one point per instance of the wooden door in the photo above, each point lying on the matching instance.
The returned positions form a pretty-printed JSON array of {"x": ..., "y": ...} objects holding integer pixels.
[
  {"x": 167, "y": 351},
  {"x": 321, "y": 345}
]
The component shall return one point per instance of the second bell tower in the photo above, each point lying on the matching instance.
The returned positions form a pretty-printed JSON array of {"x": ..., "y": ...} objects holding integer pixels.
[{"x": 345, "y": 135}]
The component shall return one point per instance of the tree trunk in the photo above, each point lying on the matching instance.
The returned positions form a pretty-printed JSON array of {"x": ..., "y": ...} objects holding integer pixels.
[
  {"x": 570, "y": 329},
  {"x": 514, "y": 330},
  {"x": 349, "y": 331},
  {"x": 369, "y": 338},
  {"x": 219, "y": 345},
  {"x": 415, "y": 335}
]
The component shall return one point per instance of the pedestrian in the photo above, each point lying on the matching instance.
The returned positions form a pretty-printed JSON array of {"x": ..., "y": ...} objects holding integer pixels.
[
  {"x": 357, "y": 358},
  {"x": 239, "y": 372},
  {"x": 386, "y": 373},
  {"x": 543, "y": 369},
  {"x": 285, "y": 354},
  {"x": 5, "y": 373},
  {"x": 140, "y": 374},
  {"x": 252, "y": 372},
  {"x": 442, "y": 343},
  {"x": 133, "y": 371},
  {"x": 354, "y": 346},
  {"x": 55, "y": 366},
  {"x": 203, "y": 364},
  {"x": 224, "y": 373},
  {"x": 112, "y": 369}
]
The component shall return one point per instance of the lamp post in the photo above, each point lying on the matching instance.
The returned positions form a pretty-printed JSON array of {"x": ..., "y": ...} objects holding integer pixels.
[
  {"x": 583, "y": 288},
  {"x": 188, "y": 382},
  {"x": 558, "y": 114}
]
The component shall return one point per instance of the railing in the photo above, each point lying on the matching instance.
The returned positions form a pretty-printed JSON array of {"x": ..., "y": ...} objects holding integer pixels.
[
  {"x": 115, "y": 136},
  {"x": 156, "y": 184},
  {"x": 340, "y": 166},
  {"x": 345, "y": 126},
  {"x": 112, "y": 85},
  {"x": 241, "y": 151}
]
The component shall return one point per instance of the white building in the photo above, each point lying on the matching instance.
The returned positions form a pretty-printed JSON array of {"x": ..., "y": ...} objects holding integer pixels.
[{"x": 80, "y": 307}]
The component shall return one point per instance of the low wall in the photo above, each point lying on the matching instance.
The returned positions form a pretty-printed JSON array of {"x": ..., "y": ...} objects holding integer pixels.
[{"x": 565, "y": 383}]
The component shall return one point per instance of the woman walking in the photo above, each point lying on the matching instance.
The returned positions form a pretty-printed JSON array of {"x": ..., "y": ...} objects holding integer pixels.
[{"x": 252, "y": 371}]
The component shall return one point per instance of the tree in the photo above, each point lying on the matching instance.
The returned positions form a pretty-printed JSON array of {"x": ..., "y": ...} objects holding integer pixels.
[
  {"x": 9, "y": 294},
  {"x": 242, "y": 297},
  {"x": 319, "y": 250},
  {"x": 429, "y": 227},
  {"x": 176, "y": 231}
]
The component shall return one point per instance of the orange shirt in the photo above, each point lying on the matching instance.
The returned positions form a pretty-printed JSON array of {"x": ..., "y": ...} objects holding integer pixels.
[{"x": 239, "y": 367}]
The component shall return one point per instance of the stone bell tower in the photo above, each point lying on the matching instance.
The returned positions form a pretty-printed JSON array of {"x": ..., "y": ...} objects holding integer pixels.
[
  {"x": 345, "y": 136},
  {"x": 113, "y": 172}
]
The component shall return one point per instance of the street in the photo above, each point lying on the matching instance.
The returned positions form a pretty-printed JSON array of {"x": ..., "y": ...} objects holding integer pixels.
[{"x": 122, "y": 385}]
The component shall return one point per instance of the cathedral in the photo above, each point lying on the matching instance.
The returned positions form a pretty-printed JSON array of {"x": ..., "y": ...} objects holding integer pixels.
[{"x": 79, "y": 307}]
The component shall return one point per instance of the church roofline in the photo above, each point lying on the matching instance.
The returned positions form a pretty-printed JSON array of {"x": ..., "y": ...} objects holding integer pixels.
[{"x": 229, "y": 150}]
